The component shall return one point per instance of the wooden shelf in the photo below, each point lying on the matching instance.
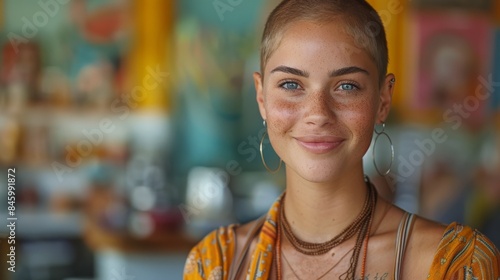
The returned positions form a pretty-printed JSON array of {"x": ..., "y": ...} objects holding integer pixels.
[{"x": 99, "y": 239}]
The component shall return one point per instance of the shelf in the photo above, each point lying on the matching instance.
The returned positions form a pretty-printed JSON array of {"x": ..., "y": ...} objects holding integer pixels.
[
  {"x": 31, "y": 225},
  {"x": 98, "y": 239}
]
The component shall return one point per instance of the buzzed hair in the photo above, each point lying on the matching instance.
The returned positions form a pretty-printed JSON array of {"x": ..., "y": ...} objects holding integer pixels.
[{"x": 360, "y": 20}]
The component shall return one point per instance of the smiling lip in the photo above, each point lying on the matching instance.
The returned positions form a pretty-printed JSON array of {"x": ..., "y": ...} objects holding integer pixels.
[{"x": 319, "y": 144}]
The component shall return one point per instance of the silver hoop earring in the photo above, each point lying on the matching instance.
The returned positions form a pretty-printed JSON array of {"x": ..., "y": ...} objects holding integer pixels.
[
  {"x": 375, "y": 144},
  {"x": 262, "y": 154}
]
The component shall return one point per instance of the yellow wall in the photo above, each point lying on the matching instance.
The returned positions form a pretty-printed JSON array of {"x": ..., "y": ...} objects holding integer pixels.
[
  {"x": 153, "y": 34},
  {"x": 496, "y": 11},
  {"x": 394, "y": 13}
]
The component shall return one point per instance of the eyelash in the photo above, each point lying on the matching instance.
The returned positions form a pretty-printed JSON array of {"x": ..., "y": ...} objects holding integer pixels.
[
  {"x": 355, "y": 85},
  {"x": 282, "y": 84}
]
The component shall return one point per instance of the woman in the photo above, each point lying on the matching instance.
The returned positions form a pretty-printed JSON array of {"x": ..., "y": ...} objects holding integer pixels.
[{"x": 322, "y": 89}]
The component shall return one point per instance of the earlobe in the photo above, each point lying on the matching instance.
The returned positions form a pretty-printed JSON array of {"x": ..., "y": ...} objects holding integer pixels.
[
  {"x": 386, "y": 93},
  {"x": 257, "y": 78}
]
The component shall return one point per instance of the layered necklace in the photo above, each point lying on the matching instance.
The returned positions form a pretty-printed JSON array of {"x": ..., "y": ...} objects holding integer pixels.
[{"x": 360, "y": 226}]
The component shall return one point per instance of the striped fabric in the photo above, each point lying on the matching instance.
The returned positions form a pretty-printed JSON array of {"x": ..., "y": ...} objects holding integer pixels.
[
  {"x": 463, "y": 254},
  {"x": 404, "y": 231},
  {"x": 211, "y": 258}
]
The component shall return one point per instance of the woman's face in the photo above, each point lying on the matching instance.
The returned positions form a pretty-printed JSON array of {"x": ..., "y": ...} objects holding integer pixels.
[{"x": 321, "y": 97}]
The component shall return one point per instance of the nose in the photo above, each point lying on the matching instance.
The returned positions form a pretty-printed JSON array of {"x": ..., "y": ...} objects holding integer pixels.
[{"x": 319, "y": 108}]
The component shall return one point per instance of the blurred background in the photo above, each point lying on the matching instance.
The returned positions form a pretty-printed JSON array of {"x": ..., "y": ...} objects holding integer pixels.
[{"x": 133, "y": 128}]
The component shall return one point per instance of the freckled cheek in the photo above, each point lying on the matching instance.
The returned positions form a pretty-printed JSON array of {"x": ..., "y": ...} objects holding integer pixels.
[
  {"x": 281, "y": 115},
  {"x": 361, "y": 123}
]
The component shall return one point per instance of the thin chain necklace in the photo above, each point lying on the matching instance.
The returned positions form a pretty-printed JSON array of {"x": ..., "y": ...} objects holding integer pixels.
[
  {"x": 363, "y": 230},
  {"x": 365, "y": 253},
  {"x": 322, "y": 275},
  {"x": 277, "y": 258}
]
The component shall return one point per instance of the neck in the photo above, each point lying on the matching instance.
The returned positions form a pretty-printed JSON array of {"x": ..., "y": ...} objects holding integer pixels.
[{"x": 319, "y": 211}]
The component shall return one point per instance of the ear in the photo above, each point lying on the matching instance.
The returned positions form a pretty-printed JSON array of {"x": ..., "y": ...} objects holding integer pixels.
[
  {"x": 257, "y": 79},
  {"x": 386, "y": 92}
]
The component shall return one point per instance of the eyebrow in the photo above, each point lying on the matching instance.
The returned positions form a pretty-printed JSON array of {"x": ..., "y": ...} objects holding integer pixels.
[
  {"x": 348, "y": 70},
  {"x": 290, "y": 70},
  {"x": 334, "y": 73}
]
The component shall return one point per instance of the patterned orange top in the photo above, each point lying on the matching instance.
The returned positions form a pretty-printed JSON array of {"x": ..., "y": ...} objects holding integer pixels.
[{"x": 463, "y": 253}]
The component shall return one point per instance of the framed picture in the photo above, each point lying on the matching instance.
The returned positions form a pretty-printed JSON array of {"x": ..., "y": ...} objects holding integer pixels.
[
  {"x": 496, "y": 73},
  {"x": 452, "y": 51}
]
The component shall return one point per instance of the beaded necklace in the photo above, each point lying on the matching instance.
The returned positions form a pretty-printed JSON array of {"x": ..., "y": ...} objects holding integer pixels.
[{"x": 360, "y": 226}]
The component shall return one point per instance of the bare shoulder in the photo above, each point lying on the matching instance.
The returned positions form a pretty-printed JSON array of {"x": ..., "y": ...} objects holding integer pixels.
[
  {"x": 422, "y": 247},
  {"x": 242, "y": 230},
  {"x": 240, "y": 234},
  {"x": 424, "y": 232},
  {"x": 423, "y": 242},
  {"x": 426, "y": 235}
]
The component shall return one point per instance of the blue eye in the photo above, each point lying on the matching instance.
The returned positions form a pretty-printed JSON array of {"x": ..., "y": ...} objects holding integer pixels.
[
  {"x": 290, "y": 85},
  {"x": 348, "y": 87}
]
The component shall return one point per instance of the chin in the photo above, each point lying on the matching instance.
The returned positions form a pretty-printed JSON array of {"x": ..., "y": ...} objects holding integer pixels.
[{"x": 320, "y": 173}]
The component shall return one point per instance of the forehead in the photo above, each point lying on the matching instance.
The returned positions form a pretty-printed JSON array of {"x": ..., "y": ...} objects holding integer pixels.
[{"x": 328, "y": 41}]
